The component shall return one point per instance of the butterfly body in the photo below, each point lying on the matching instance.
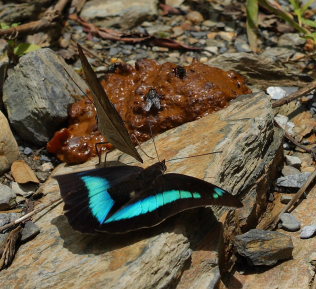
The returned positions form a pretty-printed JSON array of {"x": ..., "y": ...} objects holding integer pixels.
[{"x": 126, "y": 198}]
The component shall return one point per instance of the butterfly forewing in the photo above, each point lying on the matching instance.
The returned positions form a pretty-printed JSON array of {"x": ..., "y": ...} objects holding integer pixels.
[{"x": 110, "y": 122}]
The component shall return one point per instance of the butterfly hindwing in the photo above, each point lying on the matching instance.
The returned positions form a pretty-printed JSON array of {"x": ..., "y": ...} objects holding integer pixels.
[
  {"x": 89, "y": 197},
  {"x": 168, "y": 195},
  {"x": 110, "y": 122}
]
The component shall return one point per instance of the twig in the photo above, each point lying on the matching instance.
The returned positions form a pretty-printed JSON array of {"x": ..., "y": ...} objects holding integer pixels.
[
  {"x": 301, "y": 92},
  {"x": 48, "y": 20},
  {"x": 28, "y": 215},
  {"x": 294, "y": 141}
]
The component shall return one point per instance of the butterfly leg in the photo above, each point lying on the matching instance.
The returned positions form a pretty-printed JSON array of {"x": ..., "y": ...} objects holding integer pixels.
[{"x": 99, "y": 151}]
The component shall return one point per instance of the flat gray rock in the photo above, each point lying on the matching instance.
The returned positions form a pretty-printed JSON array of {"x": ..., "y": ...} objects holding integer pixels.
[
  {"x": 7, "y": 197},
  {"x": 290, "y": 222},
  {"x": 262, "y": 247},
  {"x": 293, "y": 181},
  {"x": 37, "y": 94},
  {"x": 126, "y": 13},
  {"x": 184, "y": 251},
  {"x": 308, "y": 232}
]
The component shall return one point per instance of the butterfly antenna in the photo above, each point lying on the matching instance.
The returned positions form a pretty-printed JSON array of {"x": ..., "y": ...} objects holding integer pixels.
[
  {"x": 140, "y": 147},
  {"x": 200, "y": 155},
  {"x": 151, "y": 133},
  {"x": 78, "y": 86}
]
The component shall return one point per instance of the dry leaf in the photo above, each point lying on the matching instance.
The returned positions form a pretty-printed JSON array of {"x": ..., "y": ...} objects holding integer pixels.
[
  {"x": 304, "y": 124},
  {"x": 22, "y": 173}
]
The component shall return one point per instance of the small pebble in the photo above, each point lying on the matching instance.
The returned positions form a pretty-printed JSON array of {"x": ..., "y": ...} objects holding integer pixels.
[
  {"x": 293, "y": 181},
  {"x": 45, "y": 158},
  {"x": 308, "y": 232},
  {"x": 7, "y": 197},
  {"x": 24, "y": 190},
  {"x": 290, "y": 222},
  {"x": 27, "y": 151},
  {"x": 293, "y": 161},
  {"x": 288, "y": 171},
  {"x": 46, "y": 167},
  {"x": 195, "y": 17},
  {"x": 283, "y": 121},
  {"x": 285, "y": 199},
  {"x": 29, "y": 231}
]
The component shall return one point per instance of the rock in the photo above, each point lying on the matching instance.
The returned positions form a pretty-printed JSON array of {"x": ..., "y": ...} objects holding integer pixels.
[
  {"x": 195, "y": 17},
  {"x": 184, "y": 250},
  {"x": 29, "y": 231},
  {"x": 37, "y": 93},
  {"x": 279, "y": 92},
  {"x": 25, "y": 190},
  {"x": 9, "y": 150},
  {"x": 46, "y": 167},
  {"x": 7, "y": 198},
  {"x": 293, "y": 181},
  {"x": 290, "y": 222},
  {"x": 283, "y": 121},
  {"x": 291, "y": 39},
  {"x": 285, "y": 199},
  {"x": 14, "y": 13},
  {"x": 241, "y": 44},
  {"x": 128, "y": 13},
  {"x": 308, "y": 232},
  {"x": 259, "y": 69},
  {"x": 288, "y": 171},
  {"x": 27, "y": 151},
  {"x": 262, "y": 247},
  {"x": 6, "y": 218},
  {"x": 295, "y": 273},
  {"x": 293, "y": 161}
]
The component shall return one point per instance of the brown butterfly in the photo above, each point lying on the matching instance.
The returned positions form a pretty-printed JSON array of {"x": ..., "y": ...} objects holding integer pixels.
[{"x": 110, "y": 122}]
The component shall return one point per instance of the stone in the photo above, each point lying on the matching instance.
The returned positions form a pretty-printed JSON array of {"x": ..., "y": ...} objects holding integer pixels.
[
  {"x": 37, "y": 94},
  {"x": 262, "y": 247},
  {"x": 285, "y": 198},
  {"x": 29, "y": 231},
  {"x": 295, "y": 273},
  {"x": 195, "y": 17},
  {"x": 308, "y": 232},
  {"x": 6, "y": 218},
  {"x": 279, "y": 92},
  {"x": 290, "y": 222},
  {"x": 7, "y": 197},
  {"x": 289, "y": 170},
  {"x": 46, "y": 167},
  {"x": 293, "y": 181},
  {"x": 241, "y": 44},
  {"x": 293, "y": 161},
  {"x": 259, "y": 70},
  {"x": 183, "y": 250},
  {"x": 25, "y": 190},
  {"x": 291, "y": 39},
  {"x": 128, "y": 13},
  {"x": 9, "y": 150},
  {"x": 18, "y": 12},
  {"x": 27, "y": 151},
  {"x": 283, "y": 121}
]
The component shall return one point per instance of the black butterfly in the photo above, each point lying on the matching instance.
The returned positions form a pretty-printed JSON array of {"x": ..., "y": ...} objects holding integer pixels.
[{"x": 127, "y": 198}]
